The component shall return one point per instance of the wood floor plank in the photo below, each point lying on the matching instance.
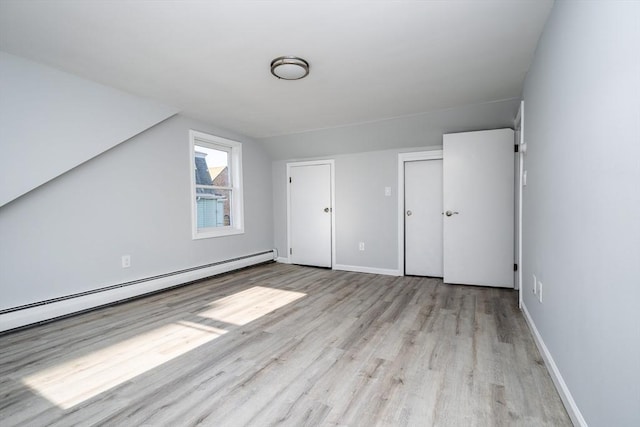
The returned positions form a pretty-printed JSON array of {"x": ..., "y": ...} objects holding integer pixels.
[{"x": 285, "y": 345}]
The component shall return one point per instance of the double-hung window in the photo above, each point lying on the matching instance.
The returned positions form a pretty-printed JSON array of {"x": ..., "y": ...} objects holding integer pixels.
[{"x": 216, "y": 186}]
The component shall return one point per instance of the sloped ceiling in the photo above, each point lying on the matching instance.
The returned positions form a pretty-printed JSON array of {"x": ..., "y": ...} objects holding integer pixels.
[
  {"x": 370, "y": 60},
  {"x": 52, "y": 121}
]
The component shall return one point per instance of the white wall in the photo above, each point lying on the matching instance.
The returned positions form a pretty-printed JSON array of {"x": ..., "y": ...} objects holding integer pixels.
[
  {"x": 362, "y": 207},
  {"x": 366, "y": 157},
  {"x": 582, "y": 203},
  {"x": 51, "y": 121},
  {"x": 362, "y": 212},
  {"x": 68, "y": 235},
  {"x": 420, "y": 130}
]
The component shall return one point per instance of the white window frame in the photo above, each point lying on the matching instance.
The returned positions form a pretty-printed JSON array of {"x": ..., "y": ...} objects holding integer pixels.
[{"x": 235, "y": 170}]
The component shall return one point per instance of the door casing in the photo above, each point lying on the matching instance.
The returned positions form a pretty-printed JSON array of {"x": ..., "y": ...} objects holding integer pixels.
[
  {"x": 331, "y": 163},
  {"x": 438, "y": 154},
  {"x": 424, "y": 231},
  {"x": 522, "y": 149},
  {"x": 402, "y": 158}
]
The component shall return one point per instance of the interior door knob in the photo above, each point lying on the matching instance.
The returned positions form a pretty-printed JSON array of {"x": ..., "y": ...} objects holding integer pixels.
[
  {"x": 409, "y": 213},
  {"x": 449, "y": 213},
  {"x": 326, "y": 209}
]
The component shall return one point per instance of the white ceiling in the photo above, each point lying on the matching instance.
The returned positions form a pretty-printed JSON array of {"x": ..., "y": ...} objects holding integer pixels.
[{"x": 370, "y": 60}]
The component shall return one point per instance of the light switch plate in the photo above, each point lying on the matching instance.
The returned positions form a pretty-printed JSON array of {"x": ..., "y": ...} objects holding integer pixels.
[{"x": 540, "y": 290}]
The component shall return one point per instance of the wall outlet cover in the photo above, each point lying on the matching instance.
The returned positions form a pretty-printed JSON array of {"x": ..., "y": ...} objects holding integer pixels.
[
  {"x": 540, "y": 291},
  {"x": 126, "y": 261}
]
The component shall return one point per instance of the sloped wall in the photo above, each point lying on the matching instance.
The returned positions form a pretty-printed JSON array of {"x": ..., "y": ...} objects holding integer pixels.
[
  {"x": 52, "y": 121},
  {"x": 88, "y": 174},
  {"x": 419, "y": 130},
  {"x": 68, "y": 235}
]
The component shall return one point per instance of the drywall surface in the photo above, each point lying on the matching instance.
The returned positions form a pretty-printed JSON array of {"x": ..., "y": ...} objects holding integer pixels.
[
  {"x": 52, "y": 121},
  {"x": 366, "y": 161},
  {"x": 68, "y": 235},
  {"x": 363, "y": 213},
  {"x": 582, "y": 203},
  {"x": 409, "y": 131}
]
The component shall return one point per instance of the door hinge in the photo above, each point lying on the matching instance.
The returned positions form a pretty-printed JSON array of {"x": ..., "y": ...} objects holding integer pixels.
[
  {"x": 289, "y": 180},
  {"x": 515, "y": 267},
  {"x": 290, "y": 251},
  {"x": 516, "y": 148}
]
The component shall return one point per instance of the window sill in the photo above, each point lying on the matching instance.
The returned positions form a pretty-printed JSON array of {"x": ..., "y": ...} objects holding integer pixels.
[{"x": 208, "y": 234}]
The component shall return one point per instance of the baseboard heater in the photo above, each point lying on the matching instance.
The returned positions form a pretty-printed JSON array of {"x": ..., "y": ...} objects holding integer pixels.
[{"x": 44, "y": 311}]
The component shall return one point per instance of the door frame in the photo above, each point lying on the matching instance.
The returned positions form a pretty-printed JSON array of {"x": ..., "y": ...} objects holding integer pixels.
[
  {"x": 518, "y": 127},
  {"x": 332, "y": 208},
  {"x": 402, "y": 158}
]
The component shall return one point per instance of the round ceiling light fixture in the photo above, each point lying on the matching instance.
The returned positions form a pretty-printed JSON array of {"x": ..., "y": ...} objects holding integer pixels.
[{"x": 289, "y": 68}]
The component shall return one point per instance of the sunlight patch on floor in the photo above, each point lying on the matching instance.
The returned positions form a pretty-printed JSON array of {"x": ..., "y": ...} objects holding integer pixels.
[
  {"x": 84, "y": 377},
  {"x": 251, "y": 304}
]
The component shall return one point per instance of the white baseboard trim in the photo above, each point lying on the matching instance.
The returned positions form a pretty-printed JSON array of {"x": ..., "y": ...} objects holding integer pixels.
[
  {"x": 371, "y": 270},
  {"x": 283, "y": 260},
  {"x": 554, "y": 372},
  {"x": 39, "y": 313}
]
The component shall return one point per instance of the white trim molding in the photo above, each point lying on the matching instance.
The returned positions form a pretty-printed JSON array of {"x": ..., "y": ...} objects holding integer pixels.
[
  {"x": 332, "y": 165},
  {"x": 283, "y": 260},
  {"x": 570, "y": 405},
  {"x": 49, "y": 310},
  {"x": 370, "y": 270},
  {"x": 519, "y": 132},
  {"x": 402, "y": 158},
  {"x": 234, "y": 150}
]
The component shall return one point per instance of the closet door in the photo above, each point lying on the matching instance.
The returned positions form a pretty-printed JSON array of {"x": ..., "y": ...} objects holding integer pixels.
[
  {"x": 310, "y": 213},
  {"x": 478, "y": 204},
  {"x": 423, "y": 217}
]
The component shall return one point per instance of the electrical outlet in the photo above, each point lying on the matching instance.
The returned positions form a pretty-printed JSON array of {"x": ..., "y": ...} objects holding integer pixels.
[
  {"x": 126, "y": 261},
  {"x": 387, "y": 191},
  {"x": 540, "y": 290},
  {"x": 535, "y": 285},
  {"x": 361, "y": 246}
]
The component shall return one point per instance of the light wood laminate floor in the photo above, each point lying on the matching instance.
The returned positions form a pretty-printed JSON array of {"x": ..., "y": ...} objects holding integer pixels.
[{"x": 285, "y": 345}]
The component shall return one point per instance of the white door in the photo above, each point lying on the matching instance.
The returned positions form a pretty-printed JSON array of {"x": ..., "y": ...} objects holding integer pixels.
[
  {"x": 310, "y": 213},
  {"x": 479, "y": 207},
  {"x": 423, "y": 217}
]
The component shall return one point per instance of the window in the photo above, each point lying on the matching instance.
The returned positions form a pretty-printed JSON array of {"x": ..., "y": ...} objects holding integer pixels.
[{"x": 216, "y": 186}]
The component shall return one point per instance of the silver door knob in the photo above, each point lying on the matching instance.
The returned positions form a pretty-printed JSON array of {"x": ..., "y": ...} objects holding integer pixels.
[
  {"x": 409, "y": 213},
  {"x": 326, "y": 209},
  {"x": 449, "y": 213}
]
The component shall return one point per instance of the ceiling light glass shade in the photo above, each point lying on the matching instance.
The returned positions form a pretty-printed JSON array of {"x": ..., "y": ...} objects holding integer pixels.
[{"x": 289, "y": 68}]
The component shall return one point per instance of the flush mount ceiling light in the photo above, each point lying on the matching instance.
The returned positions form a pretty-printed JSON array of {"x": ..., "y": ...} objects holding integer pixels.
[{"x": 289, "y": 68}]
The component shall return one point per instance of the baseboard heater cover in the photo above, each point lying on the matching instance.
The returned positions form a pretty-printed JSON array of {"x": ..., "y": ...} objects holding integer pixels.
[{"x": 28, "y": 314}]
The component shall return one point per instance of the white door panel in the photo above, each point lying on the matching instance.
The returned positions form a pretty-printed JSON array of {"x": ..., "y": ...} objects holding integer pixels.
[
  {"x": 310, "y": 213},
  {"x": 423, "y": 218},
  {"x": 478, "y": 188}
]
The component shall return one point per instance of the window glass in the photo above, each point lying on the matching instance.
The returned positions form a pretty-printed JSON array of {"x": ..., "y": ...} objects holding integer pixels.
[{"x": 216, "y": 186}]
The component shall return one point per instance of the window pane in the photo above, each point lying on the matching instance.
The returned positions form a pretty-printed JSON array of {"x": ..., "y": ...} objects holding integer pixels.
[
  {"x": 216, "y": 190},
  {"x": 213, "y": 208},
  {"x": 212, "y": 167}
]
